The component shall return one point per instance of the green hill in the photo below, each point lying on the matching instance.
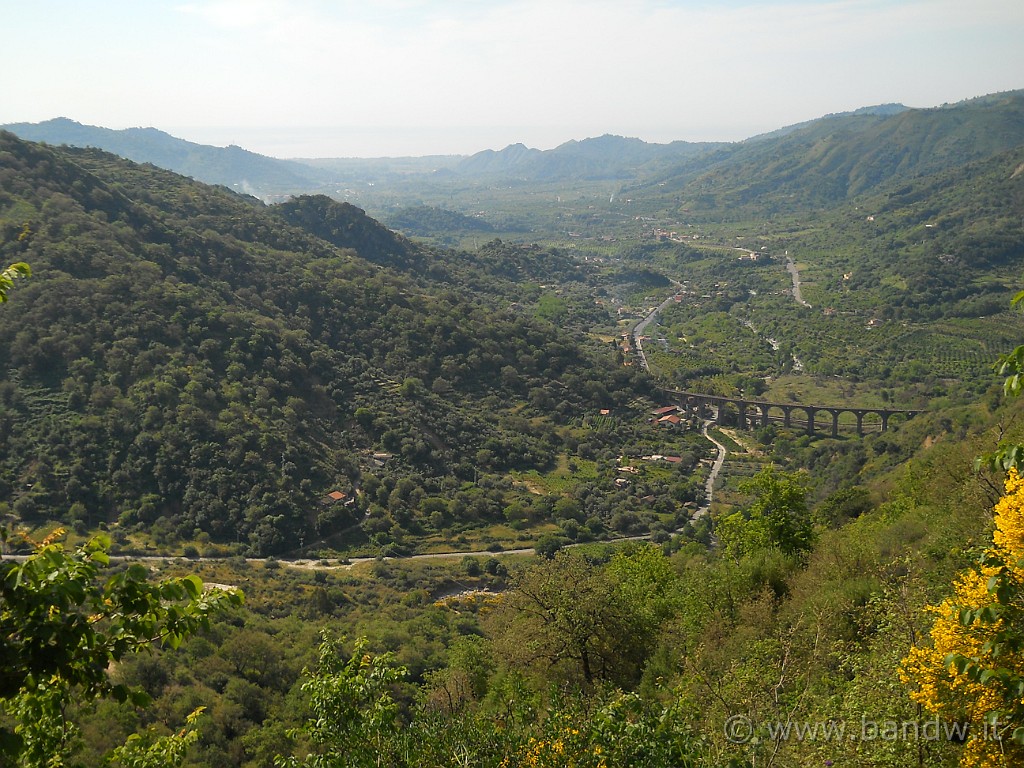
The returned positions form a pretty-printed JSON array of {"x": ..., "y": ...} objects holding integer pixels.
[
  {"x": 838, "y": 157},
  {"x": 185, "y": 362},
  {"x": 428, "y": 221}
]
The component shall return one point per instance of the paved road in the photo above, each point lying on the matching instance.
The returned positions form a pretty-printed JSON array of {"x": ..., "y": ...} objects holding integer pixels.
[
  {"x": 791, "y": 268},
  {"x": 709, "y": 485},
  {"x": 641, "y": 327}
]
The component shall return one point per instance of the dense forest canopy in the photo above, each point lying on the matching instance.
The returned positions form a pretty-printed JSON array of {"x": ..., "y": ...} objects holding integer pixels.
[{"x": 190, "y": 359}]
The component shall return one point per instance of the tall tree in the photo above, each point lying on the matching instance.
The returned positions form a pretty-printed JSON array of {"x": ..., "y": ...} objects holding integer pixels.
[{"x": 777, "y": 518}]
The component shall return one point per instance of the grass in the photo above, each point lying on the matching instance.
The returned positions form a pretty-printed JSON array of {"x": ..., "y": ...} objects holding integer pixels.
[
  {"x": 730, "y": 445},
  {"x": 561, "y": 479}
]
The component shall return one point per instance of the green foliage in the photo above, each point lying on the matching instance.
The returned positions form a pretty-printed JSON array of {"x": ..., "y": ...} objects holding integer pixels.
[
  {"x": 569, "y": 618},
  {"x": 62, "y": 626},
  {"x": 778, "y": 517},
  {"x": 428, "y": 221},
  {"x": 353, "y": 723},
  {"x": 158, "y": 751},
  {"x": 353, "y": 715},
  {"x": 7, "y": 277},
  {"x": 548, "y": 544}
]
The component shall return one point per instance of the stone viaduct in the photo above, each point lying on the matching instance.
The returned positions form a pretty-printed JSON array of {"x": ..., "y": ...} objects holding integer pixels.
[{"x": 753, "y": 413}]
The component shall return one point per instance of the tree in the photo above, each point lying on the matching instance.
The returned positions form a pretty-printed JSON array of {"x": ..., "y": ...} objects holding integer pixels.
[
  {"x": 151, "y": 751},
  {"x": 647, "y": 581},
  {"x": 778, "y": 517},
  {"x": 548, "y": 544},
  {"x": 62, "y": 626},
  {"x": 353, "y": 719},
  {"x": 568, "y": 617}
]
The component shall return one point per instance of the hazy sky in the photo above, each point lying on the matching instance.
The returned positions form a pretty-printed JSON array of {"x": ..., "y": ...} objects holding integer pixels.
[{"x": 349, "y": 78}]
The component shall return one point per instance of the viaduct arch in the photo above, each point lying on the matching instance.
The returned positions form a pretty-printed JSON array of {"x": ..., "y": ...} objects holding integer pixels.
[{"x": 754, "y": 413}]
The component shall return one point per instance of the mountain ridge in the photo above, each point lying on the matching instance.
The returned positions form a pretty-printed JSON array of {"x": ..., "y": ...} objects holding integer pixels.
[
  {"x": 230, "y": 166},
  {"x": 838, "y": 157},
  {"x": 923, "y": 137}
]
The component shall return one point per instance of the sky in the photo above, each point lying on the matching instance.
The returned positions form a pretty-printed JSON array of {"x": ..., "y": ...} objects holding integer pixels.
[{"x": 368, "y": 78}]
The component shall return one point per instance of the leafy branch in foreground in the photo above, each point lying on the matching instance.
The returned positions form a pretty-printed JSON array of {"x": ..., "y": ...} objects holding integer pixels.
[
  {"x": 62, "y": 625},
  {"x": 18, "y": 269},
  {"x": 158, "y": 752}
]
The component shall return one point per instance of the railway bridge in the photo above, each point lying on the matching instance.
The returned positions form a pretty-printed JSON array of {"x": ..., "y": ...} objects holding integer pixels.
[{"x": 753, "y": 413}]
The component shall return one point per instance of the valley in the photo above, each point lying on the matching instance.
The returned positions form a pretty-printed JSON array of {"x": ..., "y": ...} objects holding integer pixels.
[{"x": 601, "y": 446}]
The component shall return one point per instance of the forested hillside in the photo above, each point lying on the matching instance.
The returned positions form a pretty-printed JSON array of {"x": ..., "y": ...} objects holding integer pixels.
[
  {"x": 838, "y": 157},
  {"x": 192, "y": 362}
]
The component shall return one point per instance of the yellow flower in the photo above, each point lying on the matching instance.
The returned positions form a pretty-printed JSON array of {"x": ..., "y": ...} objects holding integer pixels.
[{"x": 941, "y": 689}]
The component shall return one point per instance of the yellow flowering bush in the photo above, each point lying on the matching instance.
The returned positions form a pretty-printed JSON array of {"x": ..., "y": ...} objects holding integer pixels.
[
  {"x": 619, "y": 732},
  {"x": 973, "y": 672}
]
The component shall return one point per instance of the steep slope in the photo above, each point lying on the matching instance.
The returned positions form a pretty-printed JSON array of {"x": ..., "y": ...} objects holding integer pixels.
[
  {"x": 183, "y": 362},
  {"x": 347, "y": 226},
  {"x": 838, "y": 157},
  {"x": 879, "y": 110}
]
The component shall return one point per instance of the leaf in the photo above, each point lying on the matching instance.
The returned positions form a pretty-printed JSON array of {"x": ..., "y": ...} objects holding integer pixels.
[
  {"x": 100, "y": 557},
  {"x": 120, "y": 692},
  {"x": 957, "y": 662},
  {"x": 193, "y": 585}
]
